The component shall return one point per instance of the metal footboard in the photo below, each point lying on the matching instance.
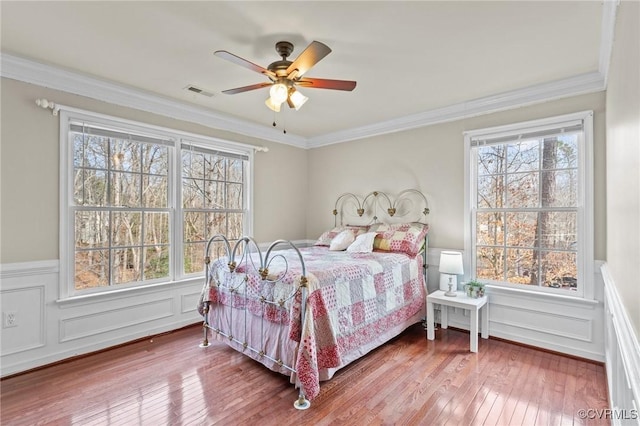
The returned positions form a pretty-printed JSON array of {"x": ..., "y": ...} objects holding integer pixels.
[{"x": 241, "y": 254}]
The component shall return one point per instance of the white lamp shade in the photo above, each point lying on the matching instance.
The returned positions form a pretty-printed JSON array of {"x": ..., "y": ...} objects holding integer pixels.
[{"x": 451, "y": 263}]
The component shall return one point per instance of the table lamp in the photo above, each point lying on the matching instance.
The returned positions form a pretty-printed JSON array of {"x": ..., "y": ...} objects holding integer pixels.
[{"x": 451, "y": 265}]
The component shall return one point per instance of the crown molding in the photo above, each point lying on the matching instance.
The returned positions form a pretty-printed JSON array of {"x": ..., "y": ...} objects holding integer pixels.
[
  {"x": 28, "y": 71},
  {"x": 573, "y": 86},
  {"x": 607, "y": 35},
  {"x": 55, "y": 78}
]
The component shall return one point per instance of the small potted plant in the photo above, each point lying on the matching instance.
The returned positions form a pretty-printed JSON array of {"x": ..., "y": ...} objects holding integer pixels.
[{"x": 474, "y": 289}]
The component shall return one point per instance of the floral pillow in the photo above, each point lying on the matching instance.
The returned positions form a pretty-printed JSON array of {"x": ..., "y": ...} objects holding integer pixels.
[
  {"x": 328, "y": 236},
  {"x": 404, "y": 237}
]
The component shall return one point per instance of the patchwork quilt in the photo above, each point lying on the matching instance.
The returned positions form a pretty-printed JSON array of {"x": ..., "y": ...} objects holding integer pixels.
[{"x": 352, "y": 299}]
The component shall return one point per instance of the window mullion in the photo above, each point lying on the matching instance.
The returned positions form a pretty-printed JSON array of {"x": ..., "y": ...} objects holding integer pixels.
[
  {"x": 537, "y": 250},
  {"x": 109, "y": 248},
  {"x": 505, "y": 202},
  {"x": 176, "y": 219}
]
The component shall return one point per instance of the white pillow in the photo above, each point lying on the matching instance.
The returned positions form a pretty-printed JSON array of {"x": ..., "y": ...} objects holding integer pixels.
[
  {"x": 363, "y": 244},
  {"x": 342, "y": 240}
]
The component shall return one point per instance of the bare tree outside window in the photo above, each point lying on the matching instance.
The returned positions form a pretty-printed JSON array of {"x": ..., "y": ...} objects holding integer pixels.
[
  {"x": 526, "y": 211},
  {"x": 121, "y": 215},
  {"x": 212, "y": 202},
  {"x": 127, "y": 200}
]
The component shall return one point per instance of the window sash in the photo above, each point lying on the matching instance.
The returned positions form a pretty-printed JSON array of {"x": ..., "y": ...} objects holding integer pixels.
[
  {"x": 74, "y": 122},
  {"x": 200, "y": 214},
  {"x": 580, "y": 123}
]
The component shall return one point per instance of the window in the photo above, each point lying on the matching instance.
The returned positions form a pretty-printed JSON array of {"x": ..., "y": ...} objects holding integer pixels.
[
  {"x": 212, "y": 201},
  {"x": 529, "y": 204},
  {"x": 140, "y": 202}
]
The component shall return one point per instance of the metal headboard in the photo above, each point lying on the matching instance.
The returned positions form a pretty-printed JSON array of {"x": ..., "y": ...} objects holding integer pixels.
[{"x": 409, "y": 205}]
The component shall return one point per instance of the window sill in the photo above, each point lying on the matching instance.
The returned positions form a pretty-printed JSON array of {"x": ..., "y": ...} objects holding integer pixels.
[
  {"x": 558, "y": 298},
  {"x": 126, "y": 292}
]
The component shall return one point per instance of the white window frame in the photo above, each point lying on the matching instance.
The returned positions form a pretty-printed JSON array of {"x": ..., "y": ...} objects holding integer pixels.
[
  {"x": 67, "y": 289},
  {"x": 585, "y": 202}
]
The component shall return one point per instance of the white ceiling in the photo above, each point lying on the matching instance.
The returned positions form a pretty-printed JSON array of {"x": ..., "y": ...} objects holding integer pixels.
[{"x": 409, "y": 58}]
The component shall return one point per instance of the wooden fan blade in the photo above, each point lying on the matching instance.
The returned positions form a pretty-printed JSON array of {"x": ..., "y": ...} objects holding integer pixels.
[
  {"x": 243, "y": 63},
  {"x": 245, "y": 88},
  {"x": 323, "y": 83},
  {"x": 308, "y": 58}
]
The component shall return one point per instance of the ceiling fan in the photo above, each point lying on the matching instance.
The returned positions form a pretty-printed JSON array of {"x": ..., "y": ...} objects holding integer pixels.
[{"x": 286, "y": 75}]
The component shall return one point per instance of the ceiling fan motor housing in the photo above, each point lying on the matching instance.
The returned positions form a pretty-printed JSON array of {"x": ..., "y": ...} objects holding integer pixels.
[
  {"x": 284, "y": 49},
  {"x": 279, "y": 67}
]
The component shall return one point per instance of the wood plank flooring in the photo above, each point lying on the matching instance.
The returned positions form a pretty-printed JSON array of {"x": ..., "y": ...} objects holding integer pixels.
[{"x": 169, "y": 380}]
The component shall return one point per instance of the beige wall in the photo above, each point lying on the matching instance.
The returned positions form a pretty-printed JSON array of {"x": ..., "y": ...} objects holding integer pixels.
[
  {"x": 623, "y": 160},
  {"x": 431, "y": 159},
  {"x": 29, "y": 170},
  {"x": 291, "y": 202}
]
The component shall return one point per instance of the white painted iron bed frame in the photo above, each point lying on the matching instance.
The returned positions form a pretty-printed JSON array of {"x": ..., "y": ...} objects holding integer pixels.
[{"x": 401, "y": 209}]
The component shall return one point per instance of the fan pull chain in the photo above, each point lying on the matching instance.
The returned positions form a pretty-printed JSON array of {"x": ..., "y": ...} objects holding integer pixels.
[
  {"x": 284, "y": 128},
  {"x": 284, "y": 123}
]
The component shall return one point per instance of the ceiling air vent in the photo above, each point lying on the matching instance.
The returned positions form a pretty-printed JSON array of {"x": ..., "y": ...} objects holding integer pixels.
[{"x": 196, "y": 89}]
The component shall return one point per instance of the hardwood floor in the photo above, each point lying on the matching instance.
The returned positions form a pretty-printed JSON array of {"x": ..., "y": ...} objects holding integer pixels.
[{"x": 169, "y": 380}]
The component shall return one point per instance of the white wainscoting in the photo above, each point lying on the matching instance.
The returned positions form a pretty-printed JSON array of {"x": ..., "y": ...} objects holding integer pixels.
[
  {"x": 622, "y": 353},
  {"x": 49, "y": 330},
  {"x": 563, "y": 324}
]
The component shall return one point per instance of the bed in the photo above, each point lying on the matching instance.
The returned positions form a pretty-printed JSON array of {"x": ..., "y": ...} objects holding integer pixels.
[{"x": 307, "y": 312}]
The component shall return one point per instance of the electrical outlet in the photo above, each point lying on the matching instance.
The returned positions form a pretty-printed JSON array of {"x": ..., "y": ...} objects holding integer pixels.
[{"x": 10, "y": 319}]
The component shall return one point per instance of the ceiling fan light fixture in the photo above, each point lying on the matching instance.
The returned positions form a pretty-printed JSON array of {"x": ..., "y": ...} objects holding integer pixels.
[
  {"x": 279, "y": 93},
  {"x": 297, "y": 99},
  {"x": 284, "y": 75},
  {"x": 272, "y": 105}
]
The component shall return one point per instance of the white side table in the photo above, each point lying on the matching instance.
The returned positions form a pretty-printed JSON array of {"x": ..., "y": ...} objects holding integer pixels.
[{"x": 460, "y": 301}]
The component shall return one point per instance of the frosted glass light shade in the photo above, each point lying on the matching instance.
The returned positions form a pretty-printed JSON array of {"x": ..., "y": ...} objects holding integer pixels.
[
  {"x": 279, "y": 93},
  {"x": 297, "y": 99},
  {"x": 272, "y": 106}
]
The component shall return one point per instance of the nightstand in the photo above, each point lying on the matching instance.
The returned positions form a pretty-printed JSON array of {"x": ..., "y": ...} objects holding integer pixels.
[{"x": 474, "y": 306}]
